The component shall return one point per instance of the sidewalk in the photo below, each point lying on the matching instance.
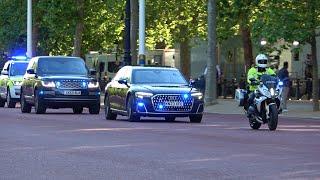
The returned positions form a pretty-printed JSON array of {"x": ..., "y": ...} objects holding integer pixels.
[{"x": 297, "y": 109}]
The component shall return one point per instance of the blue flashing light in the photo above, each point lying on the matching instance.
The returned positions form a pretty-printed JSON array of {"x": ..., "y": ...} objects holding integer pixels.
[
  {"x": 280, "y": 83},
  {"x": 99, "y": 93},
  {"x": 161, "y": 106},
  {"x": 19, "y": 57},
  {"x": 41, "y": 92},
  {"x": 140, "y": 104},
  {"x": 186, "y": 96}
]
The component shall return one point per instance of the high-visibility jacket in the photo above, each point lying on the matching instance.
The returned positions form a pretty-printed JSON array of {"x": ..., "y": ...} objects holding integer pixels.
[{"x": 254, "y": 73}]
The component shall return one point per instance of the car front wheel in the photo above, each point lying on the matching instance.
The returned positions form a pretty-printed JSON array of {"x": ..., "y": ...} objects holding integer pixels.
[
  {"x": 39, "y": 105},
  {"x": 195, "y": 118},
  {"x": 10, "y": 102},
  {"x": 25, "y": 107},
  {"x": 130, "y": 107},
  {"x": 94, "y": 109}
]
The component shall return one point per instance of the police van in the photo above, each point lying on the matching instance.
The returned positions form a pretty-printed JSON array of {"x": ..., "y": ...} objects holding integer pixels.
[{"x": 10, "y": 80}]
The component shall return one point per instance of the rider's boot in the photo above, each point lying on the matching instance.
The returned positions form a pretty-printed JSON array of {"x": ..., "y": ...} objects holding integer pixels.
[{"x": 251, "y": 111}]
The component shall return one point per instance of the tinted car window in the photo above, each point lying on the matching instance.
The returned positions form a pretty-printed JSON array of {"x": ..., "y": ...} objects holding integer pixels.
[
  {"x": 62, "y": 66},
  {"x": 157, "y": 76},
  {"x": 18, "y": 69}
]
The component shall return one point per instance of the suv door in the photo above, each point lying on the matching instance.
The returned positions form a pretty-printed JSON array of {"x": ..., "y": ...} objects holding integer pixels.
[{"x": 29, "y": 81}]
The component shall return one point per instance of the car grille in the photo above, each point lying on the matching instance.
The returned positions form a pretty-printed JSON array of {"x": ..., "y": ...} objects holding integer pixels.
[
  {"x": 71, "y": 84},
  {"x": 172, "y": 103}
]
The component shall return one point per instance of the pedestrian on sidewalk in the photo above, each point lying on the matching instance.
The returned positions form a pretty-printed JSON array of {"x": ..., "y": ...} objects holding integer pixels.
[{"x": 283, "y": 75}]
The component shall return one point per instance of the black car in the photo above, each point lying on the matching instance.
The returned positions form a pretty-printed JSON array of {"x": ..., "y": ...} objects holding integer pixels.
[
  {"x": 59, "y": 82},
  {"x": 138, "y": 91}
]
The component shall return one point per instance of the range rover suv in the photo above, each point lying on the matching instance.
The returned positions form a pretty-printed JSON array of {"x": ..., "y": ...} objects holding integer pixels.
[
  {"x": 152, "y": 91},
  {"x": 59, "y": 82}
]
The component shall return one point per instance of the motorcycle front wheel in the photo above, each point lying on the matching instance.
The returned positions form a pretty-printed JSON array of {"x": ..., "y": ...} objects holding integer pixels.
[{"x": 273, "y": 120}]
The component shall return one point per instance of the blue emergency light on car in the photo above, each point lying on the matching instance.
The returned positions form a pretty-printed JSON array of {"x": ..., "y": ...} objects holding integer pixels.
[
  {"x": 185, "y": 96},
  {"x": 19, "y": 57}
]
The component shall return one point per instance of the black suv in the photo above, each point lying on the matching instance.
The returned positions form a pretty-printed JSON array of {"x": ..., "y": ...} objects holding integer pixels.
[
  {"x": 138, "y": 91},
  {"x": 59, "y": 82}
]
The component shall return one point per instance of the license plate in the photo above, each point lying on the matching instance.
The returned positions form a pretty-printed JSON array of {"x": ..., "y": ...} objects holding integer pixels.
[
  {"x": 72, "y": 93},
  {"x": 174, "y": 103}
]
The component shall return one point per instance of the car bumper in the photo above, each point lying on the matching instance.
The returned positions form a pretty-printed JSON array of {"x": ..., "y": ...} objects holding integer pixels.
[
  {"x": 147, "y": 110},
  {"x": 56, "y": 99}
]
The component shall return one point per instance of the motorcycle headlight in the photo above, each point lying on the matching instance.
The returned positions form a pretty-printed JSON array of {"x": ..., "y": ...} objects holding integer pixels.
[
  {"x": 141, "y": 95},
  {"x": 273, "y": 92},
  {"x": 93, "y": 85},
  {"x": 17, "y": 83},
  {"x": 198, "y": 95},
  {"x": 49, "y": 84}
]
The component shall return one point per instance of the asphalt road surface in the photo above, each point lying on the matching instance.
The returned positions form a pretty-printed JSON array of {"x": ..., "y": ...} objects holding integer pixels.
[{"x": 61, "y": 145}]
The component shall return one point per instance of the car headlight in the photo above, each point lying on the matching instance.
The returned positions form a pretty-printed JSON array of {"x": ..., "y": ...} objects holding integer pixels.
[
  {"x": 93, "y": 84},
  {"x": 49, "y": 84},
  {"x": 17, "y": 83},
  {"x": 141, "y": 95},
  {"x": 198, "y": 95}
]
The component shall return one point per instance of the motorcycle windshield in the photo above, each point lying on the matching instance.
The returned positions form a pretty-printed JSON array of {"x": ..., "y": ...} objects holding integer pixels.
[{"x": 269, "y": 81}]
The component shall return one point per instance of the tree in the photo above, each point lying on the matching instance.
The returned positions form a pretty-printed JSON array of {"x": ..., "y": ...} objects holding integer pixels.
[
  {"x": 292, "y": 20},
  {"x": 211, "y": 62}
]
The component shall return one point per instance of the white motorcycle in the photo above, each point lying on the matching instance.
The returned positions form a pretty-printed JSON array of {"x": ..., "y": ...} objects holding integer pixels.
[{"x": 266, "y": 103}]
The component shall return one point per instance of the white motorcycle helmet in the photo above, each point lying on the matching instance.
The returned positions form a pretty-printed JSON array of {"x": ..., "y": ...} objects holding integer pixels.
[{"x": 262, "y": 61}]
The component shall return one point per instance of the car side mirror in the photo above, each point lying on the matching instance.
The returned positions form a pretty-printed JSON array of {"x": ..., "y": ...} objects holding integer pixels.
[
  {"x": 123, "y": 81},
  {"x": 31, "y": 71},
  {"x": 92, "y": 72},
  {"x": 192, "y": 83},
  {"x": 4, "y": 72}
]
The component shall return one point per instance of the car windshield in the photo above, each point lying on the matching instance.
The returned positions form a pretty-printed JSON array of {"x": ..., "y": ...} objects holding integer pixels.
[
  {"x": 62, "y": 66},
  {"x": 157, "y": 76},
  {"x": 18, "y": 69}
]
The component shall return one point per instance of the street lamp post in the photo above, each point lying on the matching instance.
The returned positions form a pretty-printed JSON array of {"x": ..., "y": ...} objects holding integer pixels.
[
  {"x": 142, "y": 27},
  {"x": 29, "y": 29}
]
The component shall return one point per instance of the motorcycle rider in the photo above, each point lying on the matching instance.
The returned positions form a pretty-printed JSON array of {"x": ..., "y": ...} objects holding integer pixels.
[{"x": 253, "y": 79}]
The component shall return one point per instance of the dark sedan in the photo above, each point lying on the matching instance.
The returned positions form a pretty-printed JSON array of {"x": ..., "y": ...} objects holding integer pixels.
[{"x": 138, "y": 91}]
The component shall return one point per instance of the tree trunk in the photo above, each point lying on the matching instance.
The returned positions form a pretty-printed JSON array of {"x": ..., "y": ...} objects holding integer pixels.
[
  {"x": 315, "y": 77},
  {"x": 185, "y": 58},
  {"x": 211, "y": 80},
  {"x": 134, "y": 31},
  {"x": 247, "y": 46},
  {"x": 79, "y": 29},
  {"x": 185, "y": 53}
]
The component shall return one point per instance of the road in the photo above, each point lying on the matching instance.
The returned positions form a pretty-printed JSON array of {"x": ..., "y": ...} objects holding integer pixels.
[{"x": 61, "y": 145}]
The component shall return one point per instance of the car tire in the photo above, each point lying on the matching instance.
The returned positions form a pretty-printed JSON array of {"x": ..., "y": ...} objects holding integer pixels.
[
  {"x": 10, "y": 102},
  {"x": 95, "y": 109},
  {"x": 130, "y": 107},
  {"x": 195, "y": 118},
  {"x": 107, "y": 110},
  {"x": 25, "y": 107},
  {"x": 77, "y": 110},
  {"x": 2, "y": 102},
  {"x": 170, "y": 118},
  {"x": 39, "y": 105}
]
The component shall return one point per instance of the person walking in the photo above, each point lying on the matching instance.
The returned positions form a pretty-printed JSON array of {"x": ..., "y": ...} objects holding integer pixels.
[{"x": 283, "y": 75}]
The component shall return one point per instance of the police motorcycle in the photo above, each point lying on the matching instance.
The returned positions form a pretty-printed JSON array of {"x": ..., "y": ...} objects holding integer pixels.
[{"x": 266, "y": 104}]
